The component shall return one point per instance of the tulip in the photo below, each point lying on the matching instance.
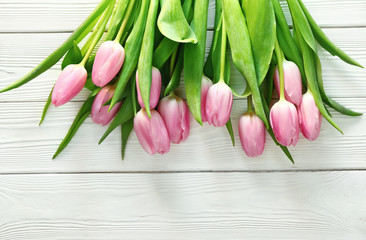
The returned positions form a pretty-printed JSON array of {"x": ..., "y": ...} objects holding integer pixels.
[
  {"x": 108, "y": 61},
  {"x": 175, "y": 114},
  {"x": 285, "y": 123},
  {"x": 218, "y": 104},
  {"x": 70, "y": 82},
  {"x": 292, "y": 80},
  {"x": 252, "y": 134},
  {"x": 151, "y": 132},
  {"x": 154, "y": 90},
  {"x": 99, "y": 112},
  {"x": 205, "y": 86},
  {"x": 310, "y": 118}
]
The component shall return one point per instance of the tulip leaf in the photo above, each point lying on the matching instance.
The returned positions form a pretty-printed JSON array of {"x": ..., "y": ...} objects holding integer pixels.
[
  {"x": 73, "y": 56},
  {"x": 134, "y": 95},
  {"x": 132, "y": 52},
  {"x": 335, "y": 105},
  {"x": 46, "y": 106},
  {"x": 175, "y": 78},
  {"x": 194, "y": 57},
  {"x": 54, "y": 57},
  {"x": 241, "y": 51},
  {"x": 126, "y": 129},
  {"x": 166, "y": 47},
  {"x": 89, "y": 84},
  {"x": 144, "y": 68},
  {"x": 173, "y": 24},
  {"x": 124, "y": 114},
  {"x": 286, "y": 41},
  {"x": 79, "y": 119},
  {"x": 311, "y": 76},
  {"x": 229, "y": 128},
  {"x": 261, "y": 23},
  {"x": 324, "y": 41}
]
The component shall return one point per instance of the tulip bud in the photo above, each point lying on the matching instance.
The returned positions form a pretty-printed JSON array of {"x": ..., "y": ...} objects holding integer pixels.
[
  {"x": 108, "y": 61},
  {"x": 252, "y": 134},
  {"x": 175, "y": 114},
  {"x": 285, "y": 123},
  {"x": 70, "y": 82},
  {"x": 205, "y": 86},
  {"x": 292, "y": 81},
  {"x": 151, "y": 132},
  {"x": 99, "y": 112},
  {"x": 154, "y": 90},
  {"x": 310, "y": 118},
  {"x": 218, "y": 104}
]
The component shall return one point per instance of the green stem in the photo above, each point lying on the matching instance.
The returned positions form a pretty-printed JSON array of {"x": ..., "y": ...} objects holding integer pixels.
[
  {"x": 280, "y": 58},
  {"x": 173, "y": 59},
  {"x": 125, "y": 20},
  {"x": 250, "y": 102},
  {"x": 99, "y": 32},
  {"x": 223, "y": 52}
]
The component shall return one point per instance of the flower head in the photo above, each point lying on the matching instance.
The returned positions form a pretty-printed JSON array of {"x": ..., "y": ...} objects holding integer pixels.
[
  {"x": 309, "y": 117},
  {"x": 252, "y": 134},
  {"x": 70, "y": 82}
]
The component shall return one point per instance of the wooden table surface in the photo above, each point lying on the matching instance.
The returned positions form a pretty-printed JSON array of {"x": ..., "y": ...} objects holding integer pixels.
[{"x": 204, "y": 188}]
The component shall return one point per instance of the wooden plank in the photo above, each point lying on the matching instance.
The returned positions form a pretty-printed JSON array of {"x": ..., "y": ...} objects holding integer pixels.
[
  {"x": 56, "y": 16},
  {"x": 27, "y": 148},
  {"x": 19, "y": 53},
  {"x": 277, "y": 206}
]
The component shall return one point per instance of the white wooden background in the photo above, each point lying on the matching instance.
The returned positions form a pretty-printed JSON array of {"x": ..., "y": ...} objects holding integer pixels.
[{"x": 202, "y": 189}]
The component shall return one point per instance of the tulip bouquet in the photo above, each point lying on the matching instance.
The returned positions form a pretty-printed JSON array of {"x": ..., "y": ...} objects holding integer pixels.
[{"x": 134, "y": 52}]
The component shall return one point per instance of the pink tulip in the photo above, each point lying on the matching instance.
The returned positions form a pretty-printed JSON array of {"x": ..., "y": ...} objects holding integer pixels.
[
  {"x": 70, "y": 82},
  {"x": 219, "y": 104},
  {"x": 310, "y": 118},
  {"x": 154, "y": 91},
  {"x": 285, "y": 123},
  {"x": 292, "y": 80},
  {"x": 205, "y": 86},
  {"x": 99, "y": 113},
  {"x": 108, "y": 61},
  {"x": 252, "y": 134},
  {"x": 175, "y": 114},
  {"x": 151, "y": 132}
]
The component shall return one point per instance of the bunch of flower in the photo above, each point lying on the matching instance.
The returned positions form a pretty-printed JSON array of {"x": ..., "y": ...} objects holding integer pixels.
[{"x": 133, "y": 76}]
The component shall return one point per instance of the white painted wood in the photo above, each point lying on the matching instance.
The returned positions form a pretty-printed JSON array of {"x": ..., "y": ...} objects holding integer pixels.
[
  {"x": 25, "y": 147},
  {"x": 19, "y": 53},
  {"x": 66, "y": 15},
  {"x": 276, "y": 206}
]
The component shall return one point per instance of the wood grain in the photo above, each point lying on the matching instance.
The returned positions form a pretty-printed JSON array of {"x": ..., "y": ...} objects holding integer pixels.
[
  {"x": 313, "y": 205},
  {"x": 27, "y": 148},
  {"x": 19, "y": 53},
  {"x": 66, "y": 15}
]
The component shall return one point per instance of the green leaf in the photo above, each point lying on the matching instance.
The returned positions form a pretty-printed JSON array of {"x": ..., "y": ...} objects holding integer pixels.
[
  {"x": 194, "y": 57},
  {"x": 132, "y": 53},
  {"x": 46, "y": 106},
  {"x": 335, "y": 105},
  {"x": 166, "y": 47},
  {"x": 54, "y": 57},
  {"x": 241, "y": 51},
  {"x": 124, "y": 114},
  {"x": 262, "y": 30},
  {"x": 173, "y": 24},
  {"x": 79, "y": 119},
  {"x": 73, "y": 56},
  {"x": 126, "y": 129},
  {"x": 229, "y": 128},
  {"x": 145, "y": 60},
  {"x": 89, "y": 84},
  {"x": 324, "y": 41}
]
